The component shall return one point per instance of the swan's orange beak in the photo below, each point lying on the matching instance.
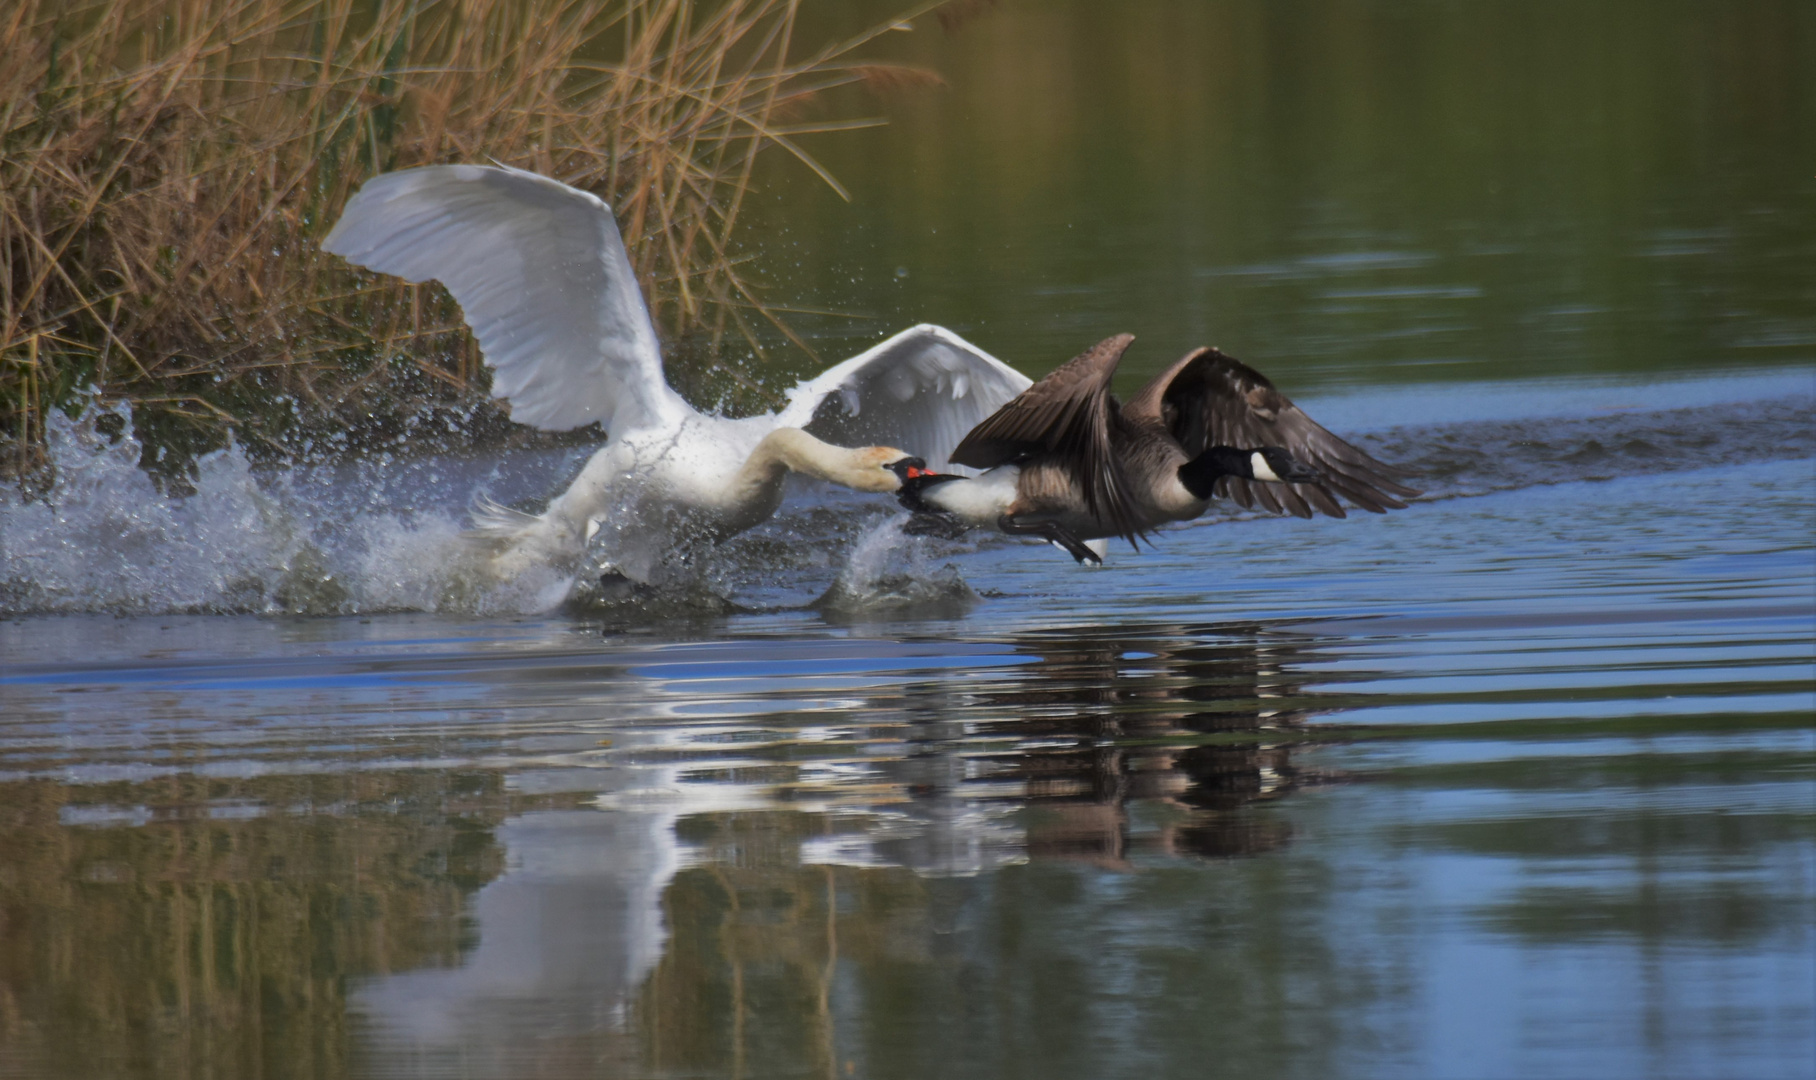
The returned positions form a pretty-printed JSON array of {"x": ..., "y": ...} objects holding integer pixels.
[{"x": 914, "y": 472}]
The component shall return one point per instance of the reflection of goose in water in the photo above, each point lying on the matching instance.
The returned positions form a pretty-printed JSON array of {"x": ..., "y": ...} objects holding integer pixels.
[
  {"x": 1069, "y": 464},
  {"x": 1049, "y": 758},
  {"x": 543, "y": 280},
  {"x": 1107, "y": 723},
  {"x": 1054, "y": 758}
]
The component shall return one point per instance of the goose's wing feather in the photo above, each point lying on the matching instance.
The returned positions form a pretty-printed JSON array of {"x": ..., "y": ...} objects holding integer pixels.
[
  {"x": 919, "y": 391},
  {"x": 543, "y": 280},
  {"x": 1067, "y": 418},
  {"x": 1211, "y": 399}
]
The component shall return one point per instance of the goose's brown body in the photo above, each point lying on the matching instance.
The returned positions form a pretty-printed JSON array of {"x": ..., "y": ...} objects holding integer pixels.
[
  {"x": 1047, "y": 489},
  {"x": 1067, "y": 462}
]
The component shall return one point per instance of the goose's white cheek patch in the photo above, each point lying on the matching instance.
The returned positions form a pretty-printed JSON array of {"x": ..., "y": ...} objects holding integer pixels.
[{"x": 1259, "y": 465}]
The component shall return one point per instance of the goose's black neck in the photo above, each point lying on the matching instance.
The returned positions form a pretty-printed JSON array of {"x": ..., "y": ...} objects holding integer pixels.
[{"x": 1200, "y": 474}]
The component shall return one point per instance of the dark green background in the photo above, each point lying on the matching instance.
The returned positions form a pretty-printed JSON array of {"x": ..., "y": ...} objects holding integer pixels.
[{"x": 1336, "y": 190}]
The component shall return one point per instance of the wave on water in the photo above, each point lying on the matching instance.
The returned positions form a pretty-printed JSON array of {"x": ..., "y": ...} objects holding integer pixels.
[
  {"x": 382, "y": 533},
  {"x": 1455, "y": 460}
]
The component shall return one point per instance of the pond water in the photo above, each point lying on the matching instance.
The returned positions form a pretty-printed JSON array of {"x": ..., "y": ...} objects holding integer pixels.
[{"x": 1520, "y": 781}]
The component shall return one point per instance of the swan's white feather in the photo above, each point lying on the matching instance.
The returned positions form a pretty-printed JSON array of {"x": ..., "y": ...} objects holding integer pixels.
[
  {"x": 921, "y": 391},
  {"x": 543, "y": 280},
  {"x": 494, "y": 520}
]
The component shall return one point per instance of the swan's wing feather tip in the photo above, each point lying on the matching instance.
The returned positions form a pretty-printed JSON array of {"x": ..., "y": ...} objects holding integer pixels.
[
  {"x": 542, "y": 278},
  {"x": 917, "y": 390}
]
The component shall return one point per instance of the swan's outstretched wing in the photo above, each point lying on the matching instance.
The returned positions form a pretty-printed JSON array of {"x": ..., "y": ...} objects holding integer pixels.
[
  {"x": 919, "y": 391},
  {"x": 1067, "y": 418},
  {"x": 540, "y": 272},
  {"x": 1210, "y": 399}
]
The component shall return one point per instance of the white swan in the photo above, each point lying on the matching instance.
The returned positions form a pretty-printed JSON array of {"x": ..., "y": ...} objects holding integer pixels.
[{"x": 543, "y": 281}]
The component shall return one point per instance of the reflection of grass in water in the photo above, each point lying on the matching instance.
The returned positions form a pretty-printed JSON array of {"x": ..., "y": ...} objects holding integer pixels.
[
  {"x": 167, "y": 170},
  {"x": 198, "y": 943}
]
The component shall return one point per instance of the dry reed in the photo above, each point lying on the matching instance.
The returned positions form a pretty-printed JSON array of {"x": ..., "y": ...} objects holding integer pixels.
[{"x": 167, "y": 169}]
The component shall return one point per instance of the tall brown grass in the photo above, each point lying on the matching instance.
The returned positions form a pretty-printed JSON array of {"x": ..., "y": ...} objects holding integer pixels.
[{"x": 167, "y": 168}]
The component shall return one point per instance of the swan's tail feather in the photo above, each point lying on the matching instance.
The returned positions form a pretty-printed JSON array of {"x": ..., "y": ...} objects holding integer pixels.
[
  {"x": 511, "y": 542},
  {"x": 496, "y": 522}
]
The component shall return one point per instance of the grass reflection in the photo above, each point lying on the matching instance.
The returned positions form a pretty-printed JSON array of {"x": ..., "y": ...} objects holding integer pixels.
[{"x": 218, "y": 937}]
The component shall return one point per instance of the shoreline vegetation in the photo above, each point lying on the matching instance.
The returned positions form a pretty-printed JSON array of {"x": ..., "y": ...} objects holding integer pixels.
[{"x": 167, "y": 170}]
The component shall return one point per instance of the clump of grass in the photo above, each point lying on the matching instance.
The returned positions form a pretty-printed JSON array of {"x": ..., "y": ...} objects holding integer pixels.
[{"x": 167, "y": 168}]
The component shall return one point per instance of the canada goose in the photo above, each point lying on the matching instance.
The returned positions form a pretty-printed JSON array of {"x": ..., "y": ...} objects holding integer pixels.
[
  {"x": 544, "y": 283},
  {"x": 1067, "y": 463}
]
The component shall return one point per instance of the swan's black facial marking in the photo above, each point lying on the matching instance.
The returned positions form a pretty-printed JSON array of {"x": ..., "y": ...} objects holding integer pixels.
[{"x": 908, "y": 470}]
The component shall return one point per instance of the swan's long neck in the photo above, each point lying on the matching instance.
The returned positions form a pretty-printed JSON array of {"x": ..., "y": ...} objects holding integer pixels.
[
  {"x": 756, "y": 491},
  {"x": 788, "y": 448}
]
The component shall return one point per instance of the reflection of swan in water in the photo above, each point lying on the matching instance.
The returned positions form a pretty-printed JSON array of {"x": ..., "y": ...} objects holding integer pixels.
[
  {"x": 1052, "y": 760},
  {"x": 1068, "y": 463},
  {"x": 566, "y": 936},
  {"x": 543, "y": 280}
]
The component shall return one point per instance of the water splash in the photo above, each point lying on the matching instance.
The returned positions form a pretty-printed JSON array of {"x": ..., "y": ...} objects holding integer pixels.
[
  {"x": 312, "y": 540},
  {"x": 890, "y": 574},
  {"x": 375, "y": 533}
]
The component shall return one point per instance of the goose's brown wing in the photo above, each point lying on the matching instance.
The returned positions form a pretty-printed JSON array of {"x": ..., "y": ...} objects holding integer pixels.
[
  {"x": 1066, "y": 419},
  {"x": 1210, "y": 399}
]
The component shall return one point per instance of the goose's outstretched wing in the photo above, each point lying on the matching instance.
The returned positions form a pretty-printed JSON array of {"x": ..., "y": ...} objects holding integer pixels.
[
  {"x": 1210, "y": 399},
  {"x": 540, "y": 273},
  {"x": 919, "y": 391},
  {"x": 1066, "y": 419}
]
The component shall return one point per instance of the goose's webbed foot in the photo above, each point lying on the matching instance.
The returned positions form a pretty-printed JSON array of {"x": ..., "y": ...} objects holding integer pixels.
[
  {"x": 929, "y": 523},
  {"x": 1052, "y": 531}
]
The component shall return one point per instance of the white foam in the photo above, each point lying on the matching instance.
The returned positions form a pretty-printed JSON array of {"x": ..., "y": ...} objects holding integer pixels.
[
  {"x": 380, "y": 532},
  {"x": 321, "y": 540}
]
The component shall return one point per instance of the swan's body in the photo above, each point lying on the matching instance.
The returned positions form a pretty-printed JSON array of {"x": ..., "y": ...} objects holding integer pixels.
[
  {"x": 1066, "y": 462},
  {"x": 542, "y": 278},
  {"x": 710, "y": 479}
]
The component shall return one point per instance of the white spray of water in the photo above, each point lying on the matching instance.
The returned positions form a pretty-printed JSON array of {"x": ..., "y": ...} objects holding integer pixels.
[
  {"x": 105, "y": 539},
  {"x": 889, "y": 570},
  {"x": 382, "y": 533}
]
